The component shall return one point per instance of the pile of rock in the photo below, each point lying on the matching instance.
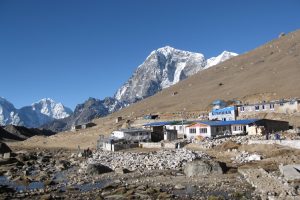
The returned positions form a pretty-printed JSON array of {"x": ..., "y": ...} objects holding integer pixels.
[
  {"x": 163, "y": 159},
  {"x": 245, "y": 157},
  {"x": 210, "y": 143}
]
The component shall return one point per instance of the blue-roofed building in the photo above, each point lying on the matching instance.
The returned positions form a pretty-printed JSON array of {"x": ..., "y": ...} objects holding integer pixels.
[
  {"x": 234, "y": 127},
  {"x": 224, "y": 114}
]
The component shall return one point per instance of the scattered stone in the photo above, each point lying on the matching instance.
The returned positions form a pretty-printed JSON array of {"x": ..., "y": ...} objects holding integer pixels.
[
  {"x": 132, "y": 161},
  {"x": 245, "y": 157}
]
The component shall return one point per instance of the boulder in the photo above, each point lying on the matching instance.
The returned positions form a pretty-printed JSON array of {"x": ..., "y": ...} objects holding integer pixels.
[
  {"x": 120, "y": 170},
  {"x": 203, "y": 167},
  {"x": 95, "y": 169},
  {"x": 4, "y": 148},
  {"x": 6, "y": 155},
  {"x": 290, "y": 172}
]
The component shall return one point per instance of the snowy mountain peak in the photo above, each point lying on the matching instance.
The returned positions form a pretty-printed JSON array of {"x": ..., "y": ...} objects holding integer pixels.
[
  {"x": 37, "y": 114},
  {"x": 51, "y": 108},
  {"x": 164, "y": 67},
  {"x": 225, "y": 55}
]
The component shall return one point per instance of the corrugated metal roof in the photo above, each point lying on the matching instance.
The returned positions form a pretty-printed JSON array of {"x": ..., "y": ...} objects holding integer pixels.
[
  {"x": 159, "y": 123},
  {"x": 227, "y": 123},
  {"x": 225, "y": 110}
]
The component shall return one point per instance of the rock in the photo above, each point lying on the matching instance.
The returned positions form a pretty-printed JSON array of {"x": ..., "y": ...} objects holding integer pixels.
[
  {"x": 179, "y": 187},
  {"x": 120, "y": 170},
  {"x": 95, "y": 169},
  {"x": 4, "y": 148},
  {"x": 203, "y": 167},
  {"x": 290, "y": 172},
  {"x": 254, "y": 157},
  {"x": 6, "y": 155},
  {"x": 63, "y": 165}
]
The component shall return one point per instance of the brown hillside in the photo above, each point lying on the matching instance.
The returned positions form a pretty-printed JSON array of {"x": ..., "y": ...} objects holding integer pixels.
[{"x": 271, "y": 71}]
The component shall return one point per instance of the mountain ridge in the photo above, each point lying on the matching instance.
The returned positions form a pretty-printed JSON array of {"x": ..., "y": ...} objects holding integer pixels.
[
  {"x": 33, "y": 116},
  {"x": 162, "y": 68}
]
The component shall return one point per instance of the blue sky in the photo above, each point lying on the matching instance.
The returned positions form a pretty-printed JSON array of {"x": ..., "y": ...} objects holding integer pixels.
[{"x": 70, "y": 50}]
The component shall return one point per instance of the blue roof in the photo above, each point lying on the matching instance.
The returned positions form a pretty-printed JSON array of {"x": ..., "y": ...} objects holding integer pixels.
[
  {"x": 226, "y": 109},
  {"x": 224, "y": 123},
  {"x": 218, "y": 102},
  {"x": 159, "y": 123}
]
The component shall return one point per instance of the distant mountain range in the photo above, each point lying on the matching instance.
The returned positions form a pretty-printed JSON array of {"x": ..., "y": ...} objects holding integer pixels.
[
  {"x": 39, "y": 113},
  {"x": 163, "y": 68}
]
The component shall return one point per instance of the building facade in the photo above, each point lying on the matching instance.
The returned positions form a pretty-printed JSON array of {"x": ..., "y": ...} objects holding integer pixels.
[
  {"x": 224, "y": 114},
  {"x": 281, "y": 106},
  {"x": 132, "y": 134},
  {"x": 208, "y": 129}
]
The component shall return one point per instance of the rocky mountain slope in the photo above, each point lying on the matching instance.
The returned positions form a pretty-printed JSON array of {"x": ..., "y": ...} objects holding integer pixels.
[
  {"x": 11, "y": 132},
  {"x": 39, "y": 113},
  {"x": 85, "y": 112},
  {"x": 268, "y": 72},
  {"x": 163, "y": 68}
]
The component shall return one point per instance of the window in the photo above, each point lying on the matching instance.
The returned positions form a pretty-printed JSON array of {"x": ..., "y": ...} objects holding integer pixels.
[
  {"x": 242, "y": 109},
  {"x": 192, "y": 130},
  {"x": 272, "y": 106},
  {"x": 263, "y": 107},
  {"x": 281, "y": 104},
  {"x": 203, "y": 130},
  {"x": 234, "y": 128},
  {"x": 257, "y": 108}
]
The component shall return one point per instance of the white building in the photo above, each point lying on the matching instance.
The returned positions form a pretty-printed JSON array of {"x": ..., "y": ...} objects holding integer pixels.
[
  {"x": 210, "y": 129},
  {"x": 223, "y": 114},
  {"x": 132, "y": 134}
]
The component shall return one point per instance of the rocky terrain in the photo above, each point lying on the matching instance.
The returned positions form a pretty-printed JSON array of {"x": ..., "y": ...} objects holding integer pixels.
[{"x": 222, "y": 168}]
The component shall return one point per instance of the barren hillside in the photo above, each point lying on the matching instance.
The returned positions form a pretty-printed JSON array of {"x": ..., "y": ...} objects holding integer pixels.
[{"x": 271, "y": 71}]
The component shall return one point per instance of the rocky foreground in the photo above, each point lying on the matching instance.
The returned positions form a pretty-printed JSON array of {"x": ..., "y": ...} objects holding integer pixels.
[{"x": 228, "y": 169}]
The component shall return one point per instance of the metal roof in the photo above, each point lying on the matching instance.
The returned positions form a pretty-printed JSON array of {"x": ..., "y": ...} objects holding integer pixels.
[
  {"x": 226, "y": 109},
  {"x": 159, "y": 123},
  {"x": 227, "y": 123},
  {"x": 132, "y": 130}
]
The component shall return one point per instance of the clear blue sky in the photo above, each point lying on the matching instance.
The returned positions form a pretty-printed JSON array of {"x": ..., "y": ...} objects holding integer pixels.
[{"x": 70, "y": 50}]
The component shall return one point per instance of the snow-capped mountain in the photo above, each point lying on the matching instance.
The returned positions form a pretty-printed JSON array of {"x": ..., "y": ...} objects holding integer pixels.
[
  {"x": 86, "y": 112},
  {"x": 225, "y": 55},
  {"x": 39, "y": 113},
  {"x": 164, "y": 67},
  {"x": 8, "y": 113},
  {"x": 51, "y": 109}
]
